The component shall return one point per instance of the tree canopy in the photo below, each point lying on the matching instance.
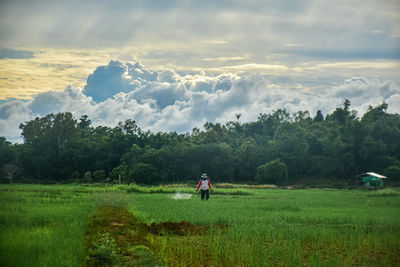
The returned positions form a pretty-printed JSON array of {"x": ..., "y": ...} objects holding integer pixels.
[{"x": 276, "y": 148}]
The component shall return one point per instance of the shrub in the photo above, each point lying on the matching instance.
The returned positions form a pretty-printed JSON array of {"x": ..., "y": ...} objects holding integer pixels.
[
  {"x": 87, "y": 177},
  {"x": 393, "y": 174},
  {"x": 273, "y": 172},
  {"x": 99, "y": 175},
  {"x": 75, "y": 176}
]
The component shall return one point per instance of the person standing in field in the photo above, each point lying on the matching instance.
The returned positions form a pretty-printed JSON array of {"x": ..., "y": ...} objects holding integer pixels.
[{"x": 205, "y": 187}]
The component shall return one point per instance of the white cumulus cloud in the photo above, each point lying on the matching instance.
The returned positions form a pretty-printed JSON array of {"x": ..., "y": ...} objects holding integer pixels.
[
  {"x": 163, "y": 100},
  {"x": 363, "y": 92}
]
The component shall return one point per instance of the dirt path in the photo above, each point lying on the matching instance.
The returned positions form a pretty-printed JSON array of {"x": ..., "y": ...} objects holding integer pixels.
[{"x": 114, "y": 236}]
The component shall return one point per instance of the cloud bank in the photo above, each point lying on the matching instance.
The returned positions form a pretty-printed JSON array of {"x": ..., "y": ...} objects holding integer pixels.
[
  {"x": 164, "y": 100},
  {"x": 338, "y": 29}
]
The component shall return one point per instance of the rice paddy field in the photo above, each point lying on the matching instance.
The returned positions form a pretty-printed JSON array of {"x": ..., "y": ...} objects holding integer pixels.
[{"x": 76, "y": 225}]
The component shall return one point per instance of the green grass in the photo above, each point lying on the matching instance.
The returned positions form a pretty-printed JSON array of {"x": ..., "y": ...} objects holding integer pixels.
[
  {"x": 168, "y": 189},
  {"x": 281, "y": 227},
  {"x": 45, "y": 225},
  {"x": 42, "y": 227}
]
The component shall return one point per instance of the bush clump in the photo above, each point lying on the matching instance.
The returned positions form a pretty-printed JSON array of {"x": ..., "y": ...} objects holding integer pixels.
[{"x": 273, "y": 172}]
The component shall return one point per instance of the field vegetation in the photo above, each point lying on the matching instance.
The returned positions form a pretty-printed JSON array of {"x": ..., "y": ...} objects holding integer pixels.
[{"x": 75, "y": 225}]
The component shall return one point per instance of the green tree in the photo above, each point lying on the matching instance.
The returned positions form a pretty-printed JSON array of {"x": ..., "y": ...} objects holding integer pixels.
[
  {"x": 268, "y": 123},
  {"x": 393, "y": 174},
  {"x": 273, "y": 172},
  {"x": 123, "y": 171},
  {"x": 85, "y": 126},
  {"x": 144, "y": 173},
  {"x": 291, "y": 147},
  {"x": 10, "y": 170},
  {"x": 51, "y": 144},
  {"x": 342, "y": 115},
  {"x": 9, "y": 156},
  {"x": 318, "y": 116},
  {"x": 247, "y": 162}
]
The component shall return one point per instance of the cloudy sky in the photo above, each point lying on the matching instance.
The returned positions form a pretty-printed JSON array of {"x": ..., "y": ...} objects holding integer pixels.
[{"x": 172, "y": 65}]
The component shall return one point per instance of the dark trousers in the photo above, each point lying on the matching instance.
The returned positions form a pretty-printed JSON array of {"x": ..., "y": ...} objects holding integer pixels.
[{"x": 205, "y": 193}]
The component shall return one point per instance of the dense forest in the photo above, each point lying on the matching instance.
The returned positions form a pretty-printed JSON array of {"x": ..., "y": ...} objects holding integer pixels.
[{"x": 279, "y": 148}]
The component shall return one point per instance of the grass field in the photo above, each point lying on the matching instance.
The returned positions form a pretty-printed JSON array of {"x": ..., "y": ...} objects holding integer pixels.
[{"x": 72, "y": 225}]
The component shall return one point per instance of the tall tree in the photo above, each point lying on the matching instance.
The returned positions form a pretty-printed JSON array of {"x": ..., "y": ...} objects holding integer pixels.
[{"x": 291, "y": 147}]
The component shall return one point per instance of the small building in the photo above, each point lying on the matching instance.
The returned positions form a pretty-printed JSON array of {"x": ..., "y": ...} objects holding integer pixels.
[{"x": 372, "y": 179}]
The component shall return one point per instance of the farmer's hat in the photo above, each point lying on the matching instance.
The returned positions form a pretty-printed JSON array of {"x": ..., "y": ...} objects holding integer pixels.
[{"x": 204, "y": 175}]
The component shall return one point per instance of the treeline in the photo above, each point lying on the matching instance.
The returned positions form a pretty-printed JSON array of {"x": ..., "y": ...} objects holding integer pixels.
[{"x": 279, "y": 148}]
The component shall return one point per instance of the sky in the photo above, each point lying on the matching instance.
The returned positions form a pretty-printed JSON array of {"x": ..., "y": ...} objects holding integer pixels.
[{"x": 174, "y": 65}]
